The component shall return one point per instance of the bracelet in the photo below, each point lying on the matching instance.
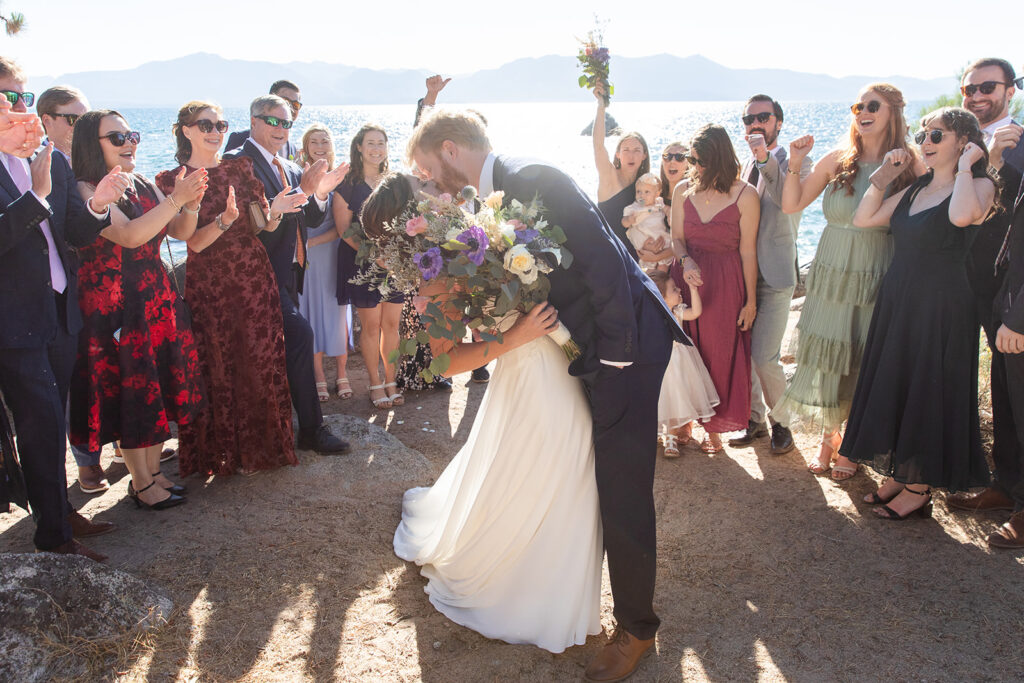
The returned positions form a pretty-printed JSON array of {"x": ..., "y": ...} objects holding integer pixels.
[
  {"x": 790, "y": 171},
  {"x": 967, "y": 172},
  {"x": 221, "y": 225},
  {"x": 276, "y": 218},
  {"x": 177, "y": 208},
  {"x": 98, "y": 213},
  {"x": 193, "y": 212}
]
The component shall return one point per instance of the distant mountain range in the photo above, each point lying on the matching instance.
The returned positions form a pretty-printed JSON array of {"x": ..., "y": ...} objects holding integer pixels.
[{"x": 234, "y": 82}]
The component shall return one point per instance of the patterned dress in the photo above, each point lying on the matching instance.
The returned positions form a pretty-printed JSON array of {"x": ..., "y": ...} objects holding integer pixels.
[
  {"x": 247, "y": 422},
  {"x": 137, "y": 367}
]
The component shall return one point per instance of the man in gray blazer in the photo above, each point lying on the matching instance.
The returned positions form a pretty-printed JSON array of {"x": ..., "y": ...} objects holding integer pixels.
[{"x": 777, "y": 267}]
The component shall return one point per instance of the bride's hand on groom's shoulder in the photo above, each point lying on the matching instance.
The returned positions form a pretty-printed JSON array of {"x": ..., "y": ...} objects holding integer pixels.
[{"x": 541, "y": 320}]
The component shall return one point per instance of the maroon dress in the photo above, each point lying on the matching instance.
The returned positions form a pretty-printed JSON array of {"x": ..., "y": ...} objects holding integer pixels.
[
  {"x": 246, "y": 424},
  {"x": 137, "y": 367},
  {"x": 724, "y": 349}
]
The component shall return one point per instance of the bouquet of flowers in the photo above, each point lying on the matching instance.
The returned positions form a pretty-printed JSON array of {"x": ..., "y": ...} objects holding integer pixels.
[
  {"x": 495, "y": 261},
  {"x": 593, "y": 58}
]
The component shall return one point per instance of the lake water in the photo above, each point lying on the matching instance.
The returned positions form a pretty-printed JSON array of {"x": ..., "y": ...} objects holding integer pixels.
[{"x": 548, "y": 131}]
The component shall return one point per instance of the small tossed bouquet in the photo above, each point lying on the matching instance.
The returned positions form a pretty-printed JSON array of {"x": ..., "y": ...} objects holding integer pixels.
[
  {"x": 495, "y": 261},
  {"x": 593, "y": 58}
]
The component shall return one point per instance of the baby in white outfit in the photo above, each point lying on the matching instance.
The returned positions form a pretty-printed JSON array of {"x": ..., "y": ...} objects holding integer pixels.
[{"x": 644, "y": 219}]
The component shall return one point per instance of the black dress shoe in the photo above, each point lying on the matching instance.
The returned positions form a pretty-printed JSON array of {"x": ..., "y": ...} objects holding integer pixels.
[
  {"x": 442, "y": 384},
  {"x": 755, "y": 430},
  {"x": 481, "y": 375},
  {"x": 176, "y": 489},
  {"x": 322, "y": 441},
  {"x": 170, "y": 501},
  {"x": 782, "y": 440}
]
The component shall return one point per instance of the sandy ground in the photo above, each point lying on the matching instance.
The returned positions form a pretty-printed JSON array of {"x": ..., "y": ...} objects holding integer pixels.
[{"x": 765, "y": 572}]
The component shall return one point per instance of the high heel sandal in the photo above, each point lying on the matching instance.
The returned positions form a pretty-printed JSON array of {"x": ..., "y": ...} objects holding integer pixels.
[
  {"x": 342, "y": 388},
  {"x": 396, "y": 398},
  {"x": 177, "y": 489},
  {"x": 382, "y": 402},
  {"x": 874, "y": 499},
  {"x": 171, "y": 501},
  {"x": 925, "y": 511},
  {"x": 321, "y": 392}
]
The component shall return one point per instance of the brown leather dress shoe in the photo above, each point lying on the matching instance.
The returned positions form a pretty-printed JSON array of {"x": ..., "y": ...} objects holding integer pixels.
[
  {"x": 91, "y": 479},
  {"x": 618, "y": 659},
  {"x": 1009, "y": 535},
  {"x": 982, "y": 501},
  {"x": 73, "y": 547},
  {"x": 83, "y": 527}
]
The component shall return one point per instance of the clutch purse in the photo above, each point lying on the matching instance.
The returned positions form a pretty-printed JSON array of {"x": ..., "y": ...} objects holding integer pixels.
[{"x": 257, "y": 219}]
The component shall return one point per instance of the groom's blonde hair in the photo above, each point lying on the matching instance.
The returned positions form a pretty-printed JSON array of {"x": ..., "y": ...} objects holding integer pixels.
[{"x": 464, "y": 128}]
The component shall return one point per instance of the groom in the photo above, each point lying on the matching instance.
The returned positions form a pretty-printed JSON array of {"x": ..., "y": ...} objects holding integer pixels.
[{"x": 618, "y": 317}]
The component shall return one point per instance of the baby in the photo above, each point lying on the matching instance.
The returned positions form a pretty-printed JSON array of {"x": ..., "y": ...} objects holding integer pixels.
[{"x": 644, "y": 219}]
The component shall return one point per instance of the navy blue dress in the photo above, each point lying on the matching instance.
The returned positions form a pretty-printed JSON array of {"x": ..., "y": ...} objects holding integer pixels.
[{"x": 360, "y": 296}]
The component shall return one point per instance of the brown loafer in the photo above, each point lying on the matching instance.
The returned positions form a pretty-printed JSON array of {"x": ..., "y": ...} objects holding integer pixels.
[
  {"x": 982, "y": 501},
  {"x": 1009, "y": 535},
  {"x": 618, "y": 659},
  {"x": 73, "y": 547},
  {"x": 83, "y": 527}
]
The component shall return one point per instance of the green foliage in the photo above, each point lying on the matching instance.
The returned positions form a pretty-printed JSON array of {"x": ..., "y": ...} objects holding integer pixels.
[{"x": 13, "y": 22}]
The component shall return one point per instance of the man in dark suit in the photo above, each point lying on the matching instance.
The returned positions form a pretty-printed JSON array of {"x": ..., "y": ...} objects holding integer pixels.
[
  {"x": 41, "y": 212},
  {"x": 285, "y": 240},
  {"x": 289, "y": 92},
  {"x": 618, "y": 316}
]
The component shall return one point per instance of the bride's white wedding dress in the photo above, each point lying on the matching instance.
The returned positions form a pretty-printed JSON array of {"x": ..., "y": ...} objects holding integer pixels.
[{"x": 510, "y": 535}]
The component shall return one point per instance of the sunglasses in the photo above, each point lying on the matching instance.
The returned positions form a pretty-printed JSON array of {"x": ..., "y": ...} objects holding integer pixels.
[
  {"x": 760, "y": 118},
  {"x": 117, "y": 138},
  {"x": 872, "y": 107},
  {"x": 295, "y": 104},
  {"x": 27, "y": 97},
  {"x": 207, "y": 126},
  {"x": 673, "y": 156},
  {"x": 986, "y": 88},
  {"x": 275, "y": 122},
  {"x": 69, "y": 118},
  {"x": 935, "y": 135},
  {"x": 694, "y": 160}
]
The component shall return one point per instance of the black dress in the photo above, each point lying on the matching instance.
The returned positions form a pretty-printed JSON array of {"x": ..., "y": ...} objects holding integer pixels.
[
  {"x": 914, "y": 415},
  {"x": 612, "y": 210}
]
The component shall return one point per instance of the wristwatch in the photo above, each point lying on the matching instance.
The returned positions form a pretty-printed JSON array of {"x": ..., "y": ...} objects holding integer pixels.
[{"x": 221, "y": 225}]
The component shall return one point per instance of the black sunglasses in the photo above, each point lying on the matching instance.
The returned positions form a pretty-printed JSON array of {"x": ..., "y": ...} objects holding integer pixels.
[
  {"x": 69, "y": 118},
  {"x": 674, "y": 156},
  {"x": 935, "y": 135},
  {"x": 275, "y": 122},
  {"x": 117, "y": 138},
  {"x": 760, "y": 118},
  {"x": 694, "y": 160},
  {"x": 872, "y": 107},
  {"x": 27, "y": 97},
  {"x": 207, "y": 126},
  {"x": 986, "y": 88}
]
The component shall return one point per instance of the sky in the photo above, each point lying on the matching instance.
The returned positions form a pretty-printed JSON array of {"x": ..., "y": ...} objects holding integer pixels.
[{"x": 868, "y": 38}]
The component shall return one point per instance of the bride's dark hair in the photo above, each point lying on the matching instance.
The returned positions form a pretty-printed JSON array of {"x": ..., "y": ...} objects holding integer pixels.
[{"x": 389, "y": 199}]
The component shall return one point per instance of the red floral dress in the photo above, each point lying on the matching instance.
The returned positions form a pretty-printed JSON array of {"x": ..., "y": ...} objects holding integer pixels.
[
  {"x": 137, "y": 368},
  {"x": 236, "y": 315}
]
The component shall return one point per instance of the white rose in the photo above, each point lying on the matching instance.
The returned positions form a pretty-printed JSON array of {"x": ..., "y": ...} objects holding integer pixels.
[{"x": 520, "y": 262}]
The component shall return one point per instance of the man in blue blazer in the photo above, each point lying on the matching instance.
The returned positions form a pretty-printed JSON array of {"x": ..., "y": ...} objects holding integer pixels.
[
  {"x": 289, "y": 92},
  {"x": 617, "y": 314},
  {"x": 41, "y": 213},
  {"x": 285, "y": 241}
]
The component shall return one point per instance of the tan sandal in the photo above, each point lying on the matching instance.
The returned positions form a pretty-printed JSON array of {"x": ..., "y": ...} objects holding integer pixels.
[
  {"x": 321, "y": 392},
  {"x": 384, "y": 401},
  {"x": 343, "y": 388},
  {"x": 710, "y": 448},
  {"x": 396, "y": 398}
]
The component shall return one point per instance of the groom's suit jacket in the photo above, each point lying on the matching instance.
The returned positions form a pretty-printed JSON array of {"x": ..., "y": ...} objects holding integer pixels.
[{"x": 604, "y": 298}]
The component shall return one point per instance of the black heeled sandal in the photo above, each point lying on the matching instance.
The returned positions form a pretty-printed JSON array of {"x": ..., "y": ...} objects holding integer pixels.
[
  {"x": 876, "y": 499},
  {"x": 177, "y": 489},
  {"x": 925, "y": 511},
  {"x": 169, "y": 502}
]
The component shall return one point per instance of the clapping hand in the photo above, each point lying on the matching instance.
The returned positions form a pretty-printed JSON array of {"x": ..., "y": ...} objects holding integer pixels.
[
  {"x": 318, "y": 180},
  {"x": 110, "y": 189},
  {"x": 287, "y": 203},
  {"x": 189, "y": 188},
  {"x": 230, "y": 213},
  {"x": 798, "y": 149},
  {"x": 20, "y": 132},
  {"x": 758, "y": 147},
  {"x": 971, "y": 155},
  {"x": 40, "y": 168},
  {"x": 893, "y": 164}
]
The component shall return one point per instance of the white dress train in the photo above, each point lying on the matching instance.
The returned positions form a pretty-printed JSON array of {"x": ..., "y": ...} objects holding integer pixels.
[{"x": 510, "y": 534}]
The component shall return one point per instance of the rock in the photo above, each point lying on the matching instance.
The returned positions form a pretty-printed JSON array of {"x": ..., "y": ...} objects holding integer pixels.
[
  {"x": 59, "y": 612},
  {"x": 611, "y": 126}
]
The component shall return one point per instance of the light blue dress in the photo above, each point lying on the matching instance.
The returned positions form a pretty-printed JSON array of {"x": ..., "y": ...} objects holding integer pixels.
[{"x": 318, "y": 303}]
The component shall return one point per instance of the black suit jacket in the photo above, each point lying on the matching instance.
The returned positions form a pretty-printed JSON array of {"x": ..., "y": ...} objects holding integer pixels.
[
  {"x": 237, "y": 138},
  {"x": 1010, "y": 300},
  {"x": 280, "y": 243},
  {"x": 28, "y": 310},
  {"x": 604, "y": 298}
]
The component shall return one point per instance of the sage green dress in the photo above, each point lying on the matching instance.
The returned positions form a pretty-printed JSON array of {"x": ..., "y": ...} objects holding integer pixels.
[{"x": 841, "y": 288}]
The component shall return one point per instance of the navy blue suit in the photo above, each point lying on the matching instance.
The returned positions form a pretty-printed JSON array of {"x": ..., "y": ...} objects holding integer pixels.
[
  {"x": 615, "y": 313},
  {"x": 280, "y": 245},
  {"x": 38, "y": 335}
]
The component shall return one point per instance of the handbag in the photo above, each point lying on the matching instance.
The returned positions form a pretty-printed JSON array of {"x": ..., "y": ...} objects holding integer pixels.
[
  {"x": 172, "y": 275},
  {"x": 257, "y": 219}
]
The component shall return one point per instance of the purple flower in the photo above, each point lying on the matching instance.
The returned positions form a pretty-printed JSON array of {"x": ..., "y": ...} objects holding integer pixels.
[
  {"x": 429, "y": 262},
  {"x": 602, "y": 55},
  {"x": 526, "y": 235},
  {"x": 476, "y": 239}
]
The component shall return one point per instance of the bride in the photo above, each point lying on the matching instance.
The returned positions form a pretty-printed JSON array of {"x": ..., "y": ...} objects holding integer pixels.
[{"x": 509, "y": 537}]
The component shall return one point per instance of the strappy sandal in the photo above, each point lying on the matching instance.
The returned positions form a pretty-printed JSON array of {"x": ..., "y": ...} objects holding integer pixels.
[
  {"x": 671, "y": 447},
  {"x": 343, "y": 388},
  {"x": 382, "y": 402},
  {"x": 321, "y": 391},
  {"x": 710, "y": 448},
  {"x": 874, "y": 499},
  {"x": 925, "y": 511},
  {"x": 817, "y": 468},
  {"x": 396, "y": 398}
]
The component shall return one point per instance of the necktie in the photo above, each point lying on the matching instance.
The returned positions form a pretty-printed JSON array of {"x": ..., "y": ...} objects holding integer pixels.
[
  {"x": 755, "y": 174},
  {"x": 300, "y": 248},
  {"x": 19, "y": 174}
]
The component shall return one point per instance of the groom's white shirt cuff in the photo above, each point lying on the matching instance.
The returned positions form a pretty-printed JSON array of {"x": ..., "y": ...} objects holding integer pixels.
[{"x": 616, "y": 364}]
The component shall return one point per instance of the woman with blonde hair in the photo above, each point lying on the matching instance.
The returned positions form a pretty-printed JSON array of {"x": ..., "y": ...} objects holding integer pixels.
[
  {"x": 317, "y": 302},
  {"x": 848, "y": 267}
]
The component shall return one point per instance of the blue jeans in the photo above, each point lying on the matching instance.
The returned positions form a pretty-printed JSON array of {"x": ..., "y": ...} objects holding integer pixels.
[{"x": 768, "y": 378}]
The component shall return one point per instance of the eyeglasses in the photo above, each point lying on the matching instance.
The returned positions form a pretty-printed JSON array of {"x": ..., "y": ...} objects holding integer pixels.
[
  {"x": 986, "y": 88},
  {"x": 69, "y": 118},
  {"x": 207, "y": 126},
  {"x": 872, "y": 107},
  {"x": 117, "y": 138},
  {"x": 761, "y": 118},
  {"x": 295, "y": 104},
  {"x": 27, "y": 97},
  {"x": 275, "y": 122},
  {"x": 694, "y": 160},
  {"x": 1019, "y": 82},
  {"x": 935, "y": 135},
  {"x": 673, "y": 156}
]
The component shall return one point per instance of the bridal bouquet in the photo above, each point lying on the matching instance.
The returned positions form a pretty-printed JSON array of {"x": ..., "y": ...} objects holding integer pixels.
[
  {"x": 495, "y": 261},
  {"x": 593, "y": 58}
]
